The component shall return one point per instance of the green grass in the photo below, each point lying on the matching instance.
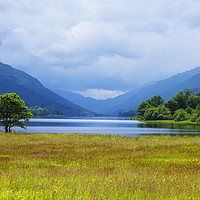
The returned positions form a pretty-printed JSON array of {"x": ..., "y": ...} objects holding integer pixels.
[
  {"x": 171, "y": 122},
  {"x": 69, "y": 166}
]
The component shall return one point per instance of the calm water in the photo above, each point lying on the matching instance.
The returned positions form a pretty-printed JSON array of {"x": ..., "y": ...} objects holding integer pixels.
[{"x": 112, "y": 126}]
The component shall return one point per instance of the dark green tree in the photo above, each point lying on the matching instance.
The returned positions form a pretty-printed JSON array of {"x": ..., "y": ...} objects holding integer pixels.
[
  {"x": 154, "y": 102},
  {"x": 141, "y": 108},
  {"x": 198, "y": 94},
  {"x": 198, "y": 107},
  {"x": 172, "y": 105},
  {"x": 193, "y": 101},
  {"x": 13, "y": 111},
  {"x": 187, "y": 93},
  {"x": 164, "y": 113},
  {"x": 189, "y": 110},
  {"x": 44, "y": 111},
  {"x": 182, "y": 98}
]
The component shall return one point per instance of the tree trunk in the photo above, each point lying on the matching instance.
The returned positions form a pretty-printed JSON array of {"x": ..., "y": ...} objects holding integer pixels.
[{"x": 6, "y": 128}]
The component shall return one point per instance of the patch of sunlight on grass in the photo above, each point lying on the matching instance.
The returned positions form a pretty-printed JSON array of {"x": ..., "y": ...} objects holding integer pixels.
[{"x": 5, "y": 156}]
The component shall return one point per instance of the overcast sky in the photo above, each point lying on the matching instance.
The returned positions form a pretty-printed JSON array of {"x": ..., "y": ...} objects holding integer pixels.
[{"x": 100, "y": 48}]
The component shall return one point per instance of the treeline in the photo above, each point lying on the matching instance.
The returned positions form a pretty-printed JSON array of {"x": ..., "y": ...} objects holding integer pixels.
[
  {"x": 131, "y": 113},
  {"x": 184, "y": 106},
  {"x": 44, "y": 111}
]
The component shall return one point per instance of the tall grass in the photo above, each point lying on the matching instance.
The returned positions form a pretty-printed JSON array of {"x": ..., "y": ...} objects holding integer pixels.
[{"x": 67, "y": 166}]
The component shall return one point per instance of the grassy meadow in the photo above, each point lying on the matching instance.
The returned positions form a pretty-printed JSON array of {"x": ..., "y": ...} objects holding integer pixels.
[{"x": 70, "y": 166}]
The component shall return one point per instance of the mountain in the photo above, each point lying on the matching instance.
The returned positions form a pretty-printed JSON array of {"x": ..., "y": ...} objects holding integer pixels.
[
  {"x": 85, "y": 102},
  {"x": 129, "y": 101},
  {"x": 34, "y": 93},
  {"x": 97, "y": 106},
  {"x": 166, "y": 88}
]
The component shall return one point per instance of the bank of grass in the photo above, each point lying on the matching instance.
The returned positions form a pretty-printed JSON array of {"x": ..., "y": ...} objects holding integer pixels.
[
  {"x": 187, "y": 122},
  {"x": 70, "y": 166}
]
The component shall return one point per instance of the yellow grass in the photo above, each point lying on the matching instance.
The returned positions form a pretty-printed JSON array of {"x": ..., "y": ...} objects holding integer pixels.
[{"x": 69, "y": 166}]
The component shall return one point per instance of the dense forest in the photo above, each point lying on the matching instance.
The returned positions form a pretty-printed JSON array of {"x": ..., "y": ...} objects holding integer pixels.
[
  {"x": 44, "y": 111},
  {"x": 184, "y": 106}
]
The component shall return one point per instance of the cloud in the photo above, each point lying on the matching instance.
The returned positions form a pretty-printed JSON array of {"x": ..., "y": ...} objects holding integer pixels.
[
  {"x": 100, "y": 94},
  {"x": 107, "y": 45}
]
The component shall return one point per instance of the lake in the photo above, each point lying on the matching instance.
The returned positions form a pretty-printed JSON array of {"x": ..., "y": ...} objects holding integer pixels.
[{"x": 102, "y": 125}]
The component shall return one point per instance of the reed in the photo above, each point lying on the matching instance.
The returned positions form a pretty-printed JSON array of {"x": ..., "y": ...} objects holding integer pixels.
[{"x": 72, "y": 166}]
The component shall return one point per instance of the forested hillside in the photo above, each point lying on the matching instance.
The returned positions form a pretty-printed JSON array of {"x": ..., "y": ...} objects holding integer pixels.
[
  {"x": 34, "y": 93},
  {"x": 166, "y": 88}
]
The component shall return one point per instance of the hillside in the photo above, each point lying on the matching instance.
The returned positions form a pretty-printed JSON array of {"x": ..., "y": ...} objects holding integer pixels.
[
  {"x": 129, "y": 101},
  {"x": 98, "y": 106},
  {"x": 34, "y": 93},
  {"x": 166, "y": 88}
]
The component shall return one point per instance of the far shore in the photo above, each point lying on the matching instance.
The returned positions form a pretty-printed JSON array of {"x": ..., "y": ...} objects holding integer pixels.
[{"x": 168, "y": 121}]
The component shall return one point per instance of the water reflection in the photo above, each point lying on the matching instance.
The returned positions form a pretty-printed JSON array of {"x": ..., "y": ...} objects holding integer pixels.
[
  {"x": 169, "y": 126},
  {"x": 111, "y": 126}
]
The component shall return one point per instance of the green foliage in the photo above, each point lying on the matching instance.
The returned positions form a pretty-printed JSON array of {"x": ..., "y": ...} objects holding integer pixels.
[
  {"x": 183, "y": 106},
  {"x": 198, "y": 94},
  {"x": 172, "y": 105},
  {"x": 193, "y": 117},
  {"x": 164, "y": 113},
  {"x": 198, "y": 107},
  {"x": 181, "y": 115},
  {"x": 141, "y": 108},
  {"x": 181, "y": 98},
  {"x": 189, "y": 110},
  {"x": 13, "y": 111},
  {"x": 150, "y": 113},
  {"x": 155, "y": 101},
  {"x": 193, "y": 101},
  {"x": 44, "y": 111},
  {"x": 159, "y": 113}
]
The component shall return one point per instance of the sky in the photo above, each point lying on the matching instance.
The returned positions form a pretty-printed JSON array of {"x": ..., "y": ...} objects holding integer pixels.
[{"x": 100, "y": 48}]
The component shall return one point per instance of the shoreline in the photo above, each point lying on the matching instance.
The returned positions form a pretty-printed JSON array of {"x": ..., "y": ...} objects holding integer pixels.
[{"x": 167, "y": 122}]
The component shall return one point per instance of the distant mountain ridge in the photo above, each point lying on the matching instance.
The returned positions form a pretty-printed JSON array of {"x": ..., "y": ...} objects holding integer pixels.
[
  {"x": 166, "y": 88},
  {"x": 98, "y": 106},
  {"x": 34, "y": 93},
  {"x": 129, "y": 101}
]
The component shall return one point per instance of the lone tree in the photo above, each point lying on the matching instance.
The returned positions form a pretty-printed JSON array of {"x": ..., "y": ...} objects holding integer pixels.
[{"x": 13, "y": 111}]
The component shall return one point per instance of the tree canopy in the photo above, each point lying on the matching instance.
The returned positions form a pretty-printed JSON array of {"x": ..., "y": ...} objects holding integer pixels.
[
  {"x": 183, "y": 106},
  {"x": 155, "y": 101},
  {"x": 44, "y": 111},
  {"x": 13, "y": 111}
]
